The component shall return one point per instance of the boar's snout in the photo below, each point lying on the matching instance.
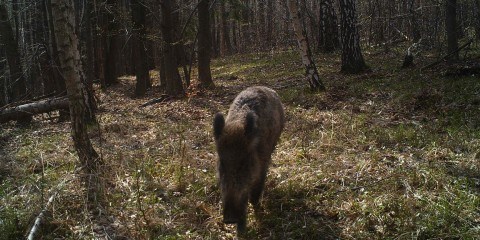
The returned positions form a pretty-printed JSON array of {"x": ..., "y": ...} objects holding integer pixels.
[{"x": 234, "y": 209}]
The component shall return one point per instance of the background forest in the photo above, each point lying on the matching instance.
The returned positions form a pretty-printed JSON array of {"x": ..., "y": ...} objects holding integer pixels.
[{"x": 106, "y": 111}]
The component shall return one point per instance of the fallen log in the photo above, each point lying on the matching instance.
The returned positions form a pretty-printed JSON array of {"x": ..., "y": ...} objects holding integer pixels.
[
  {"x": 30, "y": 109},
  {"x": 447, "y": 56},
  {"x": 456, "y": 71}
]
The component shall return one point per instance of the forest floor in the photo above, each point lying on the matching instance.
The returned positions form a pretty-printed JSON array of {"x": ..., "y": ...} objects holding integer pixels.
[{"x": 388, "y": 154}]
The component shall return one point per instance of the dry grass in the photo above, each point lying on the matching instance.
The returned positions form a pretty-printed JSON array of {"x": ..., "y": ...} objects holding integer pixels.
[{"x": 388, "y": 154}]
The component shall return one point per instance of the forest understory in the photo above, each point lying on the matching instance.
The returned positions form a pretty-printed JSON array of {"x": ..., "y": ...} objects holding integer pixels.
[{"x": 389, "y": 154}]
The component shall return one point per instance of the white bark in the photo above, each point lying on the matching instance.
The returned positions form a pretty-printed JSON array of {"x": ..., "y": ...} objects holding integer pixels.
[
  {"x": 311, "y": 72},
  {"x": 39, "y": 219}
]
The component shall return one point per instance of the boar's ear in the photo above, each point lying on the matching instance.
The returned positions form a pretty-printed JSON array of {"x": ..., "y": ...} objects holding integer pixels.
[
  {"x": 250, "y": 124},
  {"x": 218, "y": 124}
]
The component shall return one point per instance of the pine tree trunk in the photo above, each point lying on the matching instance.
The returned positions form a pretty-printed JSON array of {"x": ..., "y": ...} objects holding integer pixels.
[
  {"x": 64, "y": 21},
  {"x": 451, "y": 28},
  {"x": 140, "y": 58},
  {"x": 173, "y": 83},
  {"x": 204, "y": 47},
  {"x": 89, "y": 54},
  {"x": 311, "y": 72},
  {"x": 352, "y": 58},
  {"x": 17, "y": 80},
  {"x": 113, "y": 46}
]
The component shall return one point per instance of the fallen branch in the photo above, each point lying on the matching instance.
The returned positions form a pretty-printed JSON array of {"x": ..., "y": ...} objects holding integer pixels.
[
  {"x": 448, "y": 55},
  {"x": 456, "y": 71},
  {"x": 38, "y": 220},
  {"x": 30, "y": 109},
  {"x": 41, "y": 216},
  {"x": 163, "y": 98}
]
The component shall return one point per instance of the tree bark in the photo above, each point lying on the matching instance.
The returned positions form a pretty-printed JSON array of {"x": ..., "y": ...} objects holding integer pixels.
[
  {"x": 225, "y": 45},
  {"x": 311, "y": 72},
  {"x": 64, "y": 21},
  {"x": 414, "y": 28},
  {"x": 173, "y": 83},
  {"x": 352, "y": 58},
  {"x": 17, "y": 80},
  {"x": 270, "y": 23},
  {"x": 451, "y": 28},
  {"x": 328, "y": 32},
  {"x": 140, "y": 58},
  {"x": 477, "y": 19},
  {"x": 113, "y": 45},
  {"x": 204, "y": 47}
]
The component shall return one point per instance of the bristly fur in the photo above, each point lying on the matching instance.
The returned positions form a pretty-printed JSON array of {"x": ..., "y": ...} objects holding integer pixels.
[
  {"x": 218, "y": 125},
  {"x": 245, "y": 141}
]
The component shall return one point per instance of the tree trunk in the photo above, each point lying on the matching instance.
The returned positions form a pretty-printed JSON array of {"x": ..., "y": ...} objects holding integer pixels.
[
  {"x": 3, "y": 79},
  {"x": 140, "y": 58},
  {"x": 173, "y": 82},
  {"x": 311, "y": 72},
  {"x": 64, "y": 21},
  {"x": 270, "y": 23},
  {"x": 328, "y": 32},
  {"x": 225, "y": 46},
  {"x": 352, "y": 58},
  {"x": 17, "y": 80},
  {"x": 113, "y": 45},
  {"x": 89, "y": 54},
  {"x": 414, "y": 28},
  {"x": 477, "y": 19},
  {"x": 204, "y": 47},
  {"x": 213, "y": 31},
  {"x": 451, "y": 28}
]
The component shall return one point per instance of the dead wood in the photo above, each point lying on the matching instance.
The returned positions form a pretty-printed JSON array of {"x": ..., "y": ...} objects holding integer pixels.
[
  {"x": 448, "y": 55},
  {"x": 30, "y": 109}
]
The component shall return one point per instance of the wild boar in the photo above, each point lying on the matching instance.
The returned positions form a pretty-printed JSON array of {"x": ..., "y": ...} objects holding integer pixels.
[{"x": 245, "y": 141}]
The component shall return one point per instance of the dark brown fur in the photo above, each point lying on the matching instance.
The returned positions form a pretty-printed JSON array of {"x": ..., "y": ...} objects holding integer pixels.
[{"x": 245, "y": 141}]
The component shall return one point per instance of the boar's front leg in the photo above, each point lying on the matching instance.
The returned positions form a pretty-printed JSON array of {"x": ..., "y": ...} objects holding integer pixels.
[{"x": 257, "y": 188}]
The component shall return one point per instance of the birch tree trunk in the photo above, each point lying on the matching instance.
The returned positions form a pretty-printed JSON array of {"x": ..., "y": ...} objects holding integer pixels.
[
  {"x": 311, "y": 72},
  {"x": 67, "y": 41}
]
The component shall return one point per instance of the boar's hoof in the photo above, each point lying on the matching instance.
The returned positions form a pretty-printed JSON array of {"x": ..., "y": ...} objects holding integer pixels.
[
  {"x": 230, "y": 220},
  {"x": 241, "y": 227}
]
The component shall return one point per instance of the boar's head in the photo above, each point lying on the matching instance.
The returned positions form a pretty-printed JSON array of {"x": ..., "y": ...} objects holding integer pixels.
[{"x": 236, "y": 143}]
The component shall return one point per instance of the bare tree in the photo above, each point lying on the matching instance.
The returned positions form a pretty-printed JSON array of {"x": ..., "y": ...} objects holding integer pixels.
[{"x": 70, "y": 64}]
